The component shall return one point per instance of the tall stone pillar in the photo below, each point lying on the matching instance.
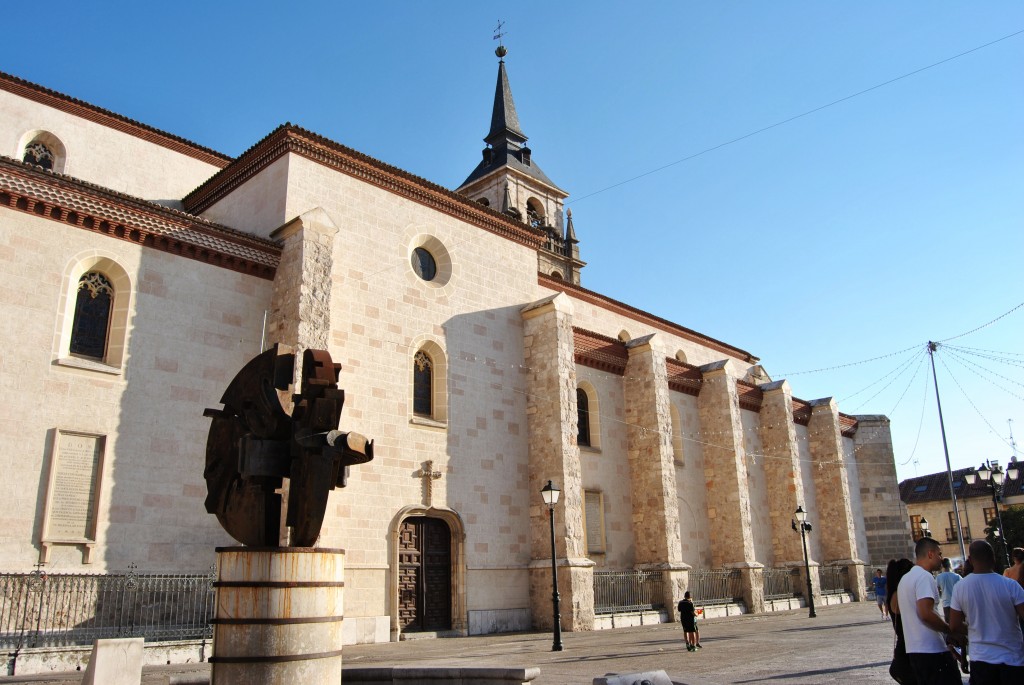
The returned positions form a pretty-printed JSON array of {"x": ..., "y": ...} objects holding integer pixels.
[
  {"x": 652, "y": 469},
  {"x": 832, "y": 493},
  {"x": 785, "y": 481},
  {"x": 725, "y": 473},
  {"x": 555, "y": 456},
  {"x": 885, "y": 520},
  {"x": 300, "y": 307}
]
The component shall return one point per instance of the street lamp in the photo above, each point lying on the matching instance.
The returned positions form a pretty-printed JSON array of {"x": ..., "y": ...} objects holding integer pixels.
[
  {"x": 925, "y": 530},
  {"x": 550, "y": 494},
  {"x": 991, "y": 473},
  {"x": 805, "y": 528}
]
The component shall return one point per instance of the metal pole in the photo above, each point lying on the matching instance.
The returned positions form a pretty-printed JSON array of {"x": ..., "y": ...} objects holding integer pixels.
[
  {"x": 932, "y": 346},
  {"x": 807, "y": 571},
  {"x": 999, "y": 520},
  {"x": 556, "y": 646}
]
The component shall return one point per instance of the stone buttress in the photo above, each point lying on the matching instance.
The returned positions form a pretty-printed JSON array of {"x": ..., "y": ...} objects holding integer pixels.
[
  {"x": 784, "y": 480},
  {"x": 834, "y": 518},
  {"x": 887, "y": 526},
  {"x": 555, "y": 456},
  {"x": 725, "y": 472},
  {"x": 652, "y": 469},
  {"x": 300, "y": 308}
]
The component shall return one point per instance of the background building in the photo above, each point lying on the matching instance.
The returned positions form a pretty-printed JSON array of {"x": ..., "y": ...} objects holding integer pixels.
[{"x": 927, "y": 497}]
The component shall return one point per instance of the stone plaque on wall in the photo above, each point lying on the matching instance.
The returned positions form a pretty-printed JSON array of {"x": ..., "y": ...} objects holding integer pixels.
[{"x": 72, "y": 493}]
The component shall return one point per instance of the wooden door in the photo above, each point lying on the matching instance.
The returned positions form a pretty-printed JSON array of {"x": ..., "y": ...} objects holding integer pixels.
[{"x": 424, "y": 575}]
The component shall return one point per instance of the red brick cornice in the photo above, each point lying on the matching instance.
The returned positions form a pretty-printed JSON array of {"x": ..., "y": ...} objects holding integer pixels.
[
  {"x": 292, "y": 139},
  {"x": 611, "y": 305},
  {"x": 683, "y": 377},
  {"x": 95, "y": 209},
  {"x": 599, "y": 352},
  {"x": 82, "y": 109}
]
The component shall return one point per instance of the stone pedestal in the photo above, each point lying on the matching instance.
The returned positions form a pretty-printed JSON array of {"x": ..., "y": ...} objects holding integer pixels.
[
  {"x": 279, "y": 616},
  {"x": 752, "y": 583}
]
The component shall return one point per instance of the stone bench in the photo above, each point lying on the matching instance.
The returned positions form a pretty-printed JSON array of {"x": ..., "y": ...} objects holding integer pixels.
[{"x": 444, "y": 675}]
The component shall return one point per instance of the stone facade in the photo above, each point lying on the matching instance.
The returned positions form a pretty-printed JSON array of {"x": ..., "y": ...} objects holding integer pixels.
[{"x": 696, "y": 459}]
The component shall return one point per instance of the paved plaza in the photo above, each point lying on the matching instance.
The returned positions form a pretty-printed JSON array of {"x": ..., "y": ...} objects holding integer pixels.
[{"x": 848, "y": 642}]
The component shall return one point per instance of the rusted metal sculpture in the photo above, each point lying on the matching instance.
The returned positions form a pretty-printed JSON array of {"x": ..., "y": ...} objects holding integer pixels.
[{"x": 254, "y": 444}]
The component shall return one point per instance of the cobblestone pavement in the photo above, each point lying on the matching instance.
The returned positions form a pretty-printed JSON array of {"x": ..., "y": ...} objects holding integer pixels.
[{"x": 848, "y": 642}]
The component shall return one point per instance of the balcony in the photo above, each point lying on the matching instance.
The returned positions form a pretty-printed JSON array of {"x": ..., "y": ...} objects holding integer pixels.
[{"x": 951, "y": 535}]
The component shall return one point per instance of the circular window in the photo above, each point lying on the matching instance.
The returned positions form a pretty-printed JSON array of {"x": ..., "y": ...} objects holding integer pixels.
[{"x": 423, "y": 264}]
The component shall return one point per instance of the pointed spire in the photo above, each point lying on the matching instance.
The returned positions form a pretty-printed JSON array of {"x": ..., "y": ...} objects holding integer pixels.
[
  {"x": 504, "y": 120},
  {"x": 505, "y": 140},
  {"x": 506, "y": 202},
  {"x": 570, "y": 232}
]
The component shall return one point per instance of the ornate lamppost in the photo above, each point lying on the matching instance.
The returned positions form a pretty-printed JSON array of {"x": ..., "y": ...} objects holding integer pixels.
[
  {"x": 925, "y": 530},
  {"x": 550, "y": 494},
  {"x": 805, "y": 528},
  {"x": 991, "y": 473}
]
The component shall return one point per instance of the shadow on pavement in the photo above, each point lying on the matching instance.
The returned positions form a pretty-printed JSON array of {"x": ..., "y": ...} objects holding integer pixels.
[{"x": 822, "y": 671}]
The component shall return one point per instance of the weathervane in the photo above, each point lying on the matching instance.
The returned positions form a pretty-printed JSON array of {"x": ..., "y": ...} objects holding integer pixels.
[{"x": 501, "y": 51}]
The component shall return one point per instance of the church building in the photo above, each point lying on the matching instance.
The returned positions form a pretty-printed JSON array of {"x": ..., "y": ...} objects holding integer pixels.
[{"x": 142, "y": 271}]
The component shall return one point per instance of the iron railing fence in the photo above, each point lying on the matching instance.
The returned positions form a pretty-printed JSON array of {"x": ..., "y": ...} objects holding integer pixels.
[
  {"x": 715, "y": 586},
  {"x": 834, "y": 580},
  {"x": 626, "y": 591},
  {"x": 55, "y": 610},
  {"x": 781, "y": 583}
]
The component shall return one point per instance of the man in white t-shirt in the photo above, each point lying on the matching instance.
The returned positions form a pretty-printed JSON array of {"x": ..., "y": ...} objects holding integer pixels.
[
  {"x": 991, "y": 605},
  {"x": 924, "y": 629}
]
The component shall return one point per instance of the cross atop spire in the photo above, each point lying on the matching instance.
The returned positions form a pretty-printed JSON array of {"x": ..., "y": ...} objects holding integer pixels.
[{"x": 500, "y": 51}]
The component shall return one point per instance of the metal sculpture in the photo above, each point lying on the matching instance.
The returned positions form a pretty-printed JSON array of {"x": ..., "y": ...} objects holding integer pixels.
[{"x": 254, "y": 444}]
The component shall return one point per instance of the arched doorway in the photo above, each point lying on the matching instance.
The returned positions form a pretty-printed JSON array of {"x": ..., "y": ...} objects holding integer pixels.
[
  {"x": 424, "y": 575},
  {"x": 427, "y": 560}
]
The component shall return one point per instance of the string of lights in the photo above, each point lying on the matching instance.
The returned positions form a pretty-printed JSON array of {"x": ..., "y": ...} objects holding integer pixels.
[
  {"x": 920, "y": 423},
  {"x": 973, "y": 405},
  {"x": 979, "y": 371},
  {"x": 920, "y": 357},
  {"x": 897, "y": 368},
  {"x": 796, "y": 117}
]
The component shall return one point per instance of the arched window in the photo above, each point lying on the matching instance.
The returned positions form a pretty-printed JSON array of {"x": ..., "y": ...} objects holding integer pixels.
[
  {"x": 534, "y": 213},
  {"x": 39, "y": 155},
  {"x": 423, "y": 385},
  {"x": 429, "y": 391},
  {"x": 43, "y": 149},
  {"x": 91, "y": 325},
  {"x": 583, "y": 417},
  {"x": 484, "y": 201}
]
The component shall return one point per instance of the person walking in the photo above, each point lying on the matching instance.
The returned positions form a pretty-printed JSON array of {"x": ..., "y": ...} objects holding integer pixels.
[
  {"x": 879, "y": 583},
  {"x": 688, "y": 617},
  {"x": 924, "y": 629},
  {"x": 991, "y": 606},
  {"x": 946, "y": 581},
  {"x": 899, "y": 669}
]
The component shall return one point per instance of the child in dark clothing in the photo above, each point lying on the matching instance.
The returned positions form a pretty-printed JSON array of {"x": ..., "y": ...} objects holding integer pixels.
[{"x": 688, "y": 617}]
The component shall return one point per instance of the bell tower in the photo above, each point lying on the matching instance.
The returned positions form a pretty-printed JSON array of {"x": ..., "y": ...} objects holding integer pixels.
[{"x": 509, "y": 181}]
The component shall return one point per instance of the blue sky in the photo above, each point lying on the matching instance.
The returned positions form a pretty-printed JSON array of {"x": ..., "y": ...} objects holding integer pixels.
[{"x": 863, "y": 229}]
